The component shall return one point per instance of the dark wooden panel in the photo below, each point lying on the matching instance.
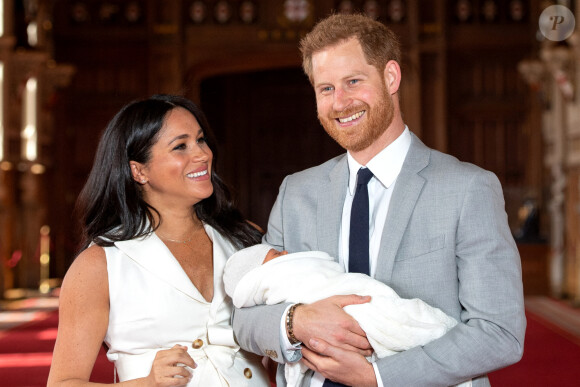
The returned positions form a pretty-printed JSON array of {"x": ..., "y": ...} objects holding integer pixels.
[
  {"x": 267, "y": 128},
  {"x": 534, "y": 258},
  {"x": 487, "y": 110}
]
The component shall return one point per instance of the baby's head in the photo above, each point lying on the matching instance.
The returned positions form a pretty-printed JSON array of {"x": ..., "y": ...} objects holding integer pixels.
[
  {"x": 246, "y": 260},
  {"x": 273, "y": 253}
]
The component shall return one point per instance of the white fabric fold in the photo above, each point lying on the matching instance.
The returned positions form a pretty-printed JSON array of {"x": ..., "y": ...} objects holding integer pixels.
[
  {"x": 392, "y": 324},
  {"x": 221, "y": 335}
]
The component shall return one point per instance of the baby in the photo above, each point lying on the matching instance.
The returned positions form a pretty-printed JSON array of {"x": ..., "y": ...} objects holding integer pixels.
[
  {"x": 273, "y": 253},
  {"x": 262, "y": 275}
]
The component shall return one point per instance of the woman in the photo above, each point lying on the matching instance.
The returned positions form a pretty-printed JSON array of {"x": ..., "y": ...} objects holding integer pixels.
[{"x": 158, "y": 225}]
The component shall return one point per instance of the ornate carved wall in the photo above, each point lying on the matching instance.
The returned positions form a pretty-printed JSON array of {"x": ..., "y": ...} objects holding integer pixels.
[
  {"x": 31, "y": 80},
  {"x": 555, "y": 77},
  {"x": 239, "y": 60}
]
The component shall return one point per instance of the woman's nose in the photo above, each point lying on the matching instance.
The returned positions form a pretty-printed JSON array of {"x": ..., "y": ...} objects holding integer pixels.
[{"x": 202, "y": 153}]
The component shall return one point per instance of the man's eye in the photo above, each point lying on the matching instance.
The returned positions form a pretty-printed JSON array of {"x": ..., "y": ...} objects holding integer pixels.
[
  {"x": 353, "y": 81},
  {"x": 326, "y": 89}
]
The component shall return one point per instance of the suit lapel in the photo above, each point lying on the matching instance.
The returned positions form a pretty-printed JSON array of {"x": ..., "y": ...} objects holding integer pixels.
[
  {"x": 405, "y": 195},
  {"x": 331, "y": 196},
  {"x": 152, "y": 254}
]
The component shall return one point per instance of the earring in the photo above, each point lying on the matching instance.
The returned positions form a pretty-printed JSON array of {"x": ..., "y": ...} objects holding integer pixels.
[{"x": 143, "y": 181}]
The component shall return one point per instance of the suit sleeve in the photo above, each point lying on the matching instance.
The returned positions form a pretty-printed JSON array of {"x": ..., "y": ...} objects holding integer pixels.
[
  {"x": 490, "y": 334},
  {"x": 257, "y": 328}
]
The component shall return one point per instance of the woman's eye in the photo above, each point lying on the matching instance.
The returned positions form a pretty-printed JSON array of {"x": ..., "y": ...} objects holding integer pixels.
[
  {"x": 180, "y": 147},
  {"x": 201, "y": 140}
]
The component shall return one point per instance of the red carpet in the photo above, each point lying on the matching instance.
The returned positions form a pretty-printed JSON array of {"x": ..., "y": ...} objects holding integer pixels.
[
  {"x": 551, "y": 357},
  {"x": 26, "y": 353}
]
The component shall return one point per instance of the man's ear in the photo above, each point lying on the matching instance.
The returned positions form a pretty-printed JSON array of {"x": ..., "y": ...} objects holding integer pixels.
[
  {"x": 392, "y": 76},
  {"x": 137, "y": 170}
]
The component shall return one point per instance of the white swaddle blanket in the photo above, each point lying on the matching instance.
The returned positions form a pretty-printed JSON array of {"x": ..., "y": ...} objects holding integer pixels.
[{"x": 392, "y": 324}]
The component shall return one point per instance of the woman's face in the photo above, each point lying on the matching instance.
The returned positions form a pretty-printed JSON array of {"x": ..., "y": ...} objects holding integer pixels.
[{"x": 179, "y": 171}]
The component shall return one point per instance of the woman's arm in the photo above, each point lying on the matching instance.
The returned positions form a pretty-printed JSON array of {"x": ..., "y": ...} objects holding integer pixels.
[
  {"x": 83, "y": 322},
  {"x": 83, "y": 319}
]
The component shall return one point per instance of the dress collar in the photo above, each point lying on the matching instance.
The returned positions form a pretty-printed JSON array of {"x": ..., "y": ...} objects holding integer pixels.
[{"x": 152, "y": 254}]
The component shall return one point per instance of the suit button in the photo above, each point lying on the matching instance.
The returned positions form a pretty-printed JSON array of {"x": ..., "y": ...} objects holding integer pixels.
[
  {"x": 197, "y": 344},
  {"x": 248, "y": 373}
]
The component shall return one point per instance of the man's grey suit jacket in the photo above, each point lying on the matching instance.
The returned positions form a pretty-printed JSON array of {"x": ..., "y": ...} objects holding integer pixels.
[{"x": 446, "y": 241}]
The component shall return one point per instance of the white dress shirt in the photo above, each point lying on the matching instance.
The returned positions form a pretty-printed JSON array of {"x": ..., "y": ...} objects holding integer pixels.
[{"x": 385, "y": 166}]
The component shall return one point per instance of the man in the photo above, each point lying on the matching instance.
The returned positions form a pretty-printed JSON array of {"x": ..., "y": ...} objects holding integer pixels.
[{"x": 437, "y": 231}]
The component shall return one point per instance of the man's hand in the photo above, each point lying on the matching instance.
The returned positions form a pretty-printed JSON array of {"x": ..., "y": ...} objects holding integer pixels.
[
  {"x": 339, "y": 365},
  {"x": 326, "y": 320}
]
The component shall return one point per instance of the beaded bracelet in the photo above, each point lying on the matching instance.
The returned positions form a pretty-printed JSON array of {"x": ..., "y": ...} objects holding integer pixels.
[{"x": 289, "y": 322}]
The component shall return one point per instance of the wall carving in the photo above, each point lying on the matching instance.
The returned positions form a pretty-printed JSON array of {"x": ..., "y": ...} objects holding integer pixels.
[{"x": 555, "y": 76}]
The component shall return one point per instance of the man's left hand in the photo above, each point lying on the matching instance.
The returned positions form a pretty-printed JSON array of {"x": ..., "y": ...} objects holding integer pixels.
[{"x": 339, "y": 365}]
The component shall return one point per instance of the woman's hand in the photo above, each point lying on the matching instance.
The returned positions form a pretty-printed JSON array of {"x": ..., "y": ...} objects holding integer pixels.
[{"x": 169, "y": 367}]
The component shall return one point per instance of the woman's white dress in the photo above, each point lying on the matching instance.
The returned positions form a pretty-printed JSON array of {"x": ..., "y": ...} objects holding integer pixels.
[{"x": 154, "y": 305}]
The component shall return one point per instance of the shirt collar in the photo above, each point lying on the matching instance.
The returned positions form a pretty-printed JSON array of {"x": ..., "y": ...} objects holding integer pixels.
[{"x": 386, "y": 165}]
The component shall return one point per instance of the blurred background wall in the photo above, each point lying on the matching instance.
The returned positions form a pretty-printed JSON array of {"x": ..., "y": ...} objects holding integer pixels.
[{"x": 480, "y": 82}]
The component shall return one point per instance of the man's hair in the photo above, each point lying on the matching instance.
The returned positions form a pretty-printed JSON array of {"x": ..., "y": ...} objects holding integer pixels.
[{"x": 378, "y": 42}]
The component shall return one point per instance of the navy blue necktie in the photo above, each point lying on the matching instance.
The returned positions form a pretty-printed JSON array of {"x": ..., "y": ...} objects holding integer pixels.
[{"x": 358, "y": 248}]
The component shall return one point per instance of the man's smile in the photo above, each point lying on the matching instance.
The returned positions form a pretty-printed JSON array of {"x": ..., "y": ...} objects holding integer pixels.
[{"x": 352, "y": 117}]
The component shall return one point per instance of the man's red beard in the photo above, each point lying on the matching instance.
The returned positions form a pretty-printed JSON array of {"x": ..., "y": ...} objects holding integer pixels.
[{"x": 359, "y": 137}]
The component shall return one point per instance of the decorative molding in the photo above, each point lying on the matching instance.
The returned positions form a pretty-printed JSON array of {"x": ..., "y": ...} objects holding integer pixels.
[
  {"x": 560, "y": 64},
  {"x": 489, "y": 11},
  {"x": 556, "y": 77}
]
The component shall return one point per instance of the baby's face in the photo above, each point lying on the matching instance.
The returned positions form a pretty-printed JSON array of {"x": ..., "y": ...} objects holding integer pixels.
[{"x": 273, "y": 253}]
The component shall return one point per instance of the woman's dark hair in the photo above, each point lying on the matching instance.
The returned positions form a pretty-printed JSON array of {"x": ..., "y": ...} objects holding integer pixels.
[{"x": 111, "y": 204}]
